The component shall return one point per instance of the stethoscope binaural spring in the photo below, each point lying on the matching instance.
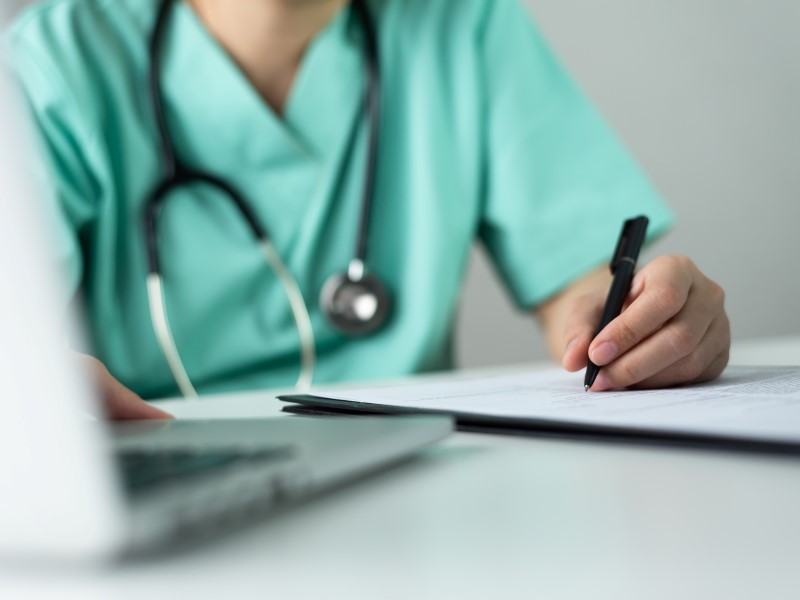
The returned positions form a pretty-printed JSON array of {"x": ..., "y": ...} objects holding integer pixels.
[{"x": 355, "y": 302}]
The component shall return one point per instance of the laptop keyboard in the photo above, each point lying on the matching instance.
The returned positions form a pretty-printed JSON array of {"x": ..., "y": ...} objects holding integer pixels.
[{"x": 146, "y": 470}]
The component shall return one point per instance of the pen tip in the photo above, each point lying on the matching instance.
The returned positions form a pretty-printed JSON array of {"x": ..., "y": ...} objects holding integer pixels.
[{"x": 586, "y": 388}]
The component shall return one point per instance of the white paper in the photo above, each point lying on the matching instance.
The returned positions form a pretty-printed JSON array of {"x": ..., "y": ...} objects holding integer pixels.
[{"x": 750, "y": 402}]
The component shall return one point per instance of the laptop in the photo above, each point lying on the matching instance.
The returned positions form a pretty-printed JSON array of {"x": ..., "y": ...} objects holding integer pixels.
[{"x": 82, "y": 488}]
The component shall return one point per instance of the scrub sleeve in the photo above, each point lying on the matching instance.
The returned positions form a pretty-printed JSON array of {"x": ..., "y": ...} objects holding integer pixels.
[{"x": 559, "y": 183}]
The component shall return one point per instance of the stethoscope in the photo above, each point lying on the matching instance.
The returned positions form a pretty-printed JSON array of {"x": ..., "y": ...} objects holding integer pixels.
[{"x": 356, "y": 303}]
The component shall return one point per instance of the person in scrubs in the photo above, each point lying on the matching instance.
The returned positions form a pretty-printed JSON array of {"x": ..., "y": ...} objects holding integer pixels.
[{"x": 482, "y": 136}]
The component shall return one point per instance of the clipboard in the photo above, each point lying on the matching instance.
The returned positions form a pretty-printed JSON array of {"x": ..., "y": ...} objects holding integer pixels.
[{"x": 470, "y": 421}]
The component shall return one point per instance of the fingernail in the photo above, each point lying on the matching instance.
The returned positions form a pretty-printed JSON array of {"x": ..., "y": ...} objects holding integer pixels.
[
  {"x": 570, "y": 345},
  {"x": 604, "y": 353}
]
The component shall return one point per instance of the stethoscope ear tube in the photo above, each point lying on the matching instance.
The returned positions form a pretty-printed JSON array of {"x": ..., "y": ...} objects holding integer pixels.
[
  {"x": 155, "y": 288},
  {"x": 302, "y": 320},
  {"x": 166, "y": 341}
]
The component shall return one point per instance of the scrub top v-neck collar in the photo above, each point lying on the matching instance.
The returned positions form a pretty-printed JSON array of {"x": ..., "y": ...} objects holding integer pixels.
[
  {"x": 219, "y": 123},
  {"x": 211, "y": 103}
]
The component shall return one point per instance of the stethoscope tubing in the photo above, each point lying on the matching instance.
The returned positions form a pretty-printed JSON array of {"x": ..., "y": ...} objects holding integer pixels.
[
  {"x": 177, "y": 175},
  {"x": 372, "y": 101},
  {"x": 182, "y": 178}
]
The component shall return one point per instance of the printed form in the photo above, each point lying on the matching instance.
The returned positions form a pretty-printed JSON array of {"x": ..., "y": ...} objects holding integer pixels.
[{"x": 753, "y": 402}]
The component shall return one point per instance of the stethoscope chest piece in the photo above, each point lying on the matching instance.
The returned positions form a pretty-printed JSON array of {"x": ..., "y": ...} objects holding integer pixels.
[{"x": 355, "y": 303}]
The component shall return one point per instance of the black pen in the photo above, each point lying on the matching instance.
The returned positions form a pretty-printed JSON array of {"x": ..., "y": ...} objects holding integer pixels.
[{"x": 623, "y": 264}]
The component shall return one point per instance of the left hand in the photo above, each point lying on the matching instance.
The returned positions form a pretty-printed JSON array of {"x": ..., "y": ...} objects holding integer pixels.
[{"x": 673, "y": 330}]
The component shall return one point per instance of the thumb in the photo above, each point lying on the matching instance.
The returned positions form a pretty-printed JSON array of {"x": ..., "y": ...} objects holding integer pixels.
[{"x": 579, "y": 329}]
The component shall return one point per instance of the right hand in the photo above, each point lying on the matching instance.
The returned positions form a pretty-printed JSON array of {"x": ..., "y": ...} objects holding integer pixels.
[{"x": 119, "y": 402}]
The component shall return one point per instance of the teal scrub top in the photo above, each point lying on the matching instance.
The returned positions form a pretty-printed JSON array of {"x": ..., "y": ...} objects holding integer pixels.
[{"x": 483, "y": 136}]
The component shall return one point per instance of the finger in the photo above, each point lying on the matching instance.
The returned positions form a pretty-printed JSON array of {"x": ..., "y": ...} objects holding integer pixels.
[
  {"x": 675, "y": 340},
  {"x": 580, "y": 329},
  {"x": 122, "y": 403},
  {"x": 668, "y": 379},
  {"x": 684, "y": 370},
  {"x": 666, "y": 288},
  {"x": 700, "y": 365}
]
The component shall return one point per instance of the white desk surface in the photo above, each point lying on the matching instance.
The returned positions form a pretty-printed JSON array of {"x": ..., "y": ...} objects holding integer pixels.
[{"x": 482, "y": 516}]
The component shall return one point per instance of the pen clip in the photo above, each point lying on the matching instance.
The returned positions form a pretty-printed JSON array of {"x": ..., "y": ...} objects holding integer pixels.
[{"x": 630, "y": 241}]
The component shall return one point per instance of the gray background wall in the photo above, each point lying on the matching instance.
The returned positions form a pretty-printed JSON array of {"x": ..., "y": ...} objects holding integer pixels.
[{"x": 706, "y": 94}]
